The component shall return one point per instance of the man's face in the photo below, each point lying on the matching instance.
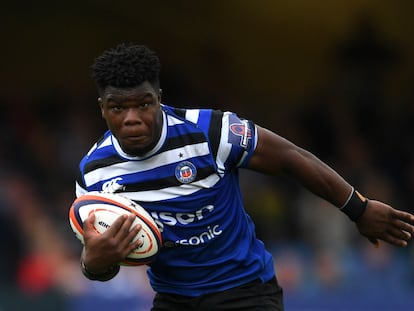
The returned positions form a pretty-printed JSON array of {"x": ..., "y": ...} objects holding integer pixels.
[{"x": 134, "y": 116}]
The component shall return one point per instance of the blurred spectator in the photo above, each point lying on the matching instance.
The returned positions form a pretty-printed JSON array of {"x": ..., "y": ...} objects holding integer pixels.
[{"x": 10, "y": 244}]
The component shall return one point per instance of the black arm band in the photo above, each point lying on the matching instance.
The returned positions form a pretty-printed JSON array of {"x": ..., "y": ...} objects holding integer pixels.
[
  {"x": 105, "y": 276},
  {"x": 355, "y": 206}
]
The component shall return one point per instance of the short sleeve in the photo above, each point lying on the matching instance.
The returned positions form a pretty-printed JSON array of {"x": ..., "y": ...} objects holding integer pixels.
[{"x": 237, "y": 142}]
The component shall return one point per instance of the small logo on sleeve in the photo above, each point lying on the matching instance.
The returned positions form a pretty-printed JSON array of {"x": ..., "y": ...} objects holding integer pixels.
[{"x": 242, "y": 132}]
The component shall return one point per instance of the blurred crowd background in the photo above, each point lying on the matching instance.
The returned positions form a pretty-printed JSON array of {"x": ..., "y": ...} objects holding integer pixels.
[{"x": 335, "y": 77}]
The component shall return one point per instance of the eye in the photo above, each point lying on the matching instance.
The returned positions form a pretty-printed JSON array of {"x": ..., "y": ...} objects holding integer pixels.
[
  {"x": 115, "y": 108},
  {"x": 145, "y": 104}
]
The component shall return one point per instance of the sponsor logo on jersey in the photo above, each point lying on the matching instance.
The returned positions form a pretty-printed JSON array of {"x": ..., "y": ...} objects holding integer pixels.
[
  {"x": 183, "y": 218},
  {"x": 241, "y": 133},
  {"x": 185, "y": 172},
  {"x": 209, "y": 234}
]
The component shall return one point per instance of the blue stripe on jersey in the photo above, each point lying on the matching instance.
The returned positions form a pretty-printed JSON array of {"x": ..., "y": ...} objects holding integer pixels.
[{"x": 190, "y": 187}]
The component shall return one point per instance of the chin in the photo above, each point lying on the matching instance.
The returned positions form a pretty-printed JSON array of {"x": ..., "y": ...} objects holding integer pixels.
[{"x": 136, "y": 150}]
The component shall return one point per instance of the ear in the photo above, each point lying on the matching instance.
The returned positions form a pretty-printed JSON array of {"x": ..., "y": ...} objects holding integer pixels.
[
  {"x": 101, "y": 106},
  {"x": 159, "y": 95}
]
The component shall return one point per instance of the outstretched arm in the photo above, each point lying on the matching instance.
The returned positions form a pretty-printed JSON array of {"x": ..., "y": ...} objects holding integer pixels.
[{"x": 274, "y": 155}]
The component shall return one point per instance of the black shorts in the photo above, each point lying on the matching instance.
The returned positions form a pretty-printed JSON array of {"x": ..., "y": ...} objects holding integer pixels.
[{"x": 254, "y": 295}]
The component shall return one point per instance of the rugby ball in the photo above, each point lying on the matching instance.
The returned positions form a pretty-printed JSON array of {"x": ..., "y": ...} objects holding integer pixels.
[{"x": 107, "y": 207}]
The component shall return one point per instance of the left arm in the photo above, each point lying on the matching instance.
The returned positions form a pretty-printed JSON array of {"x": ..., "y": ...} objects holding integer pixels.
[{"x": 274, "y": 155}]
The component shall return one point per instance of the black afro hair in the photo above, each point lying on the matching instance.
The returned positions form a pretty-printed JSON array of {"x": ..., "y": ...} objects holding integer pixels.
[{"x": 126, "y": 65}]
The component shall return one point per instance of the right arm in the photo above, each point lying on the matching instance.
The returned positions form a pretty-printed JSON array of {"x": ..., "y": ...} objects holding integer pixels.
[{"x": 102, "y": 252}]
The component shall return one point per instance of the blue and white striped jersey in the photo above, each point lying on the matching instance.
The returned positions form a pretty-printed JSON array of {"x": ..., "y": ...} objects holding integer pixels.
[{"x": 189, "y": 184}]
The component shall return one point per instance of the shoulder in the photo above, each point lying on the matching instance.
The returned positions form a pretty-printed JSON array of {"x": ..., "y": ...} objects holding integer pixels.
[
  {"x": 102, "y": 149},
  {"x": 196, "y": 116},
  {"x": 102, "y": 144}
]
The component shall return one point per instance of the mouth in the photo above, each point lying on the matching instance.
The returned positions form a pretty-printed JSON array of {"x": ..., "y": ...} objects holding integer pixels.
[
  {"x": 135, "y": 139},
  {"x": 136, "y": 145}
]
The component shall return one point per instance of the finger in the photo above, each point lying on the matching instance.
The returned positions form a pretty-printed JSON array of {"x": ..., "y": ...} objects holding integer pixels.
[
  {"x": 389, "y": 238},
  {"x": 403, "y": 226},
  {"x": 116, "y": 226},
  {"x": 374, "y": 241},
  {"x": 125, "y": 228},
  {"x": 134, "y": 245},
  {"x": 130, "y": 242},
  {"x": 130, "y": 248},
  {"x": 89, "y": 223},
  {"x": 399, "y": 234},
  {"x": 134, "y": 231},
  {"x": 404, "y": 229},
  {"x": 404, "y": 216}
]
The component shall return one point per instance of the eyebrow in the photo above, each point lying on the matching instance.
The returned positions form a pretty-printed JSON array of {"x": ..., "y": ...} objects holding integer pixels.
[{"x": 115, "y": 97}]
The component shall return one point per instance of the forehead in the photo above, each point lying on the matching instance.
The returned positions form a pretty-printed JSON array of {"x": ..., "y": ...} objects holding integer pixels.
[{"x": 138, "y": 92}]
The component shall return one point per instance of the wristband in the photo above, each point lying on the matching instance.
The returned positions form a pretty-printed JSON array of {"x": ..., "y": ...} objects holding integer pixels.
[
  {"x": 355, "y": 206},
  {"x": 104, "y": 276}
]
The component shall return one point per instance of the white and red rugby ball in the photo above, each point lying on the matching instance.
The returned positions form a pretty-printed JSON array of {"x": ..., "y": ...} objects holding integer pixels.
[{"x": 107, "y": 207}]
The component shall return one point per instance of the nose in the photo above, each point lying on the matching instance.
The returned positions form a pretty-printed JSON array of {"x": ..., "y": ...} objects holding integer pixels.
[{"x": 132, "y": 116}]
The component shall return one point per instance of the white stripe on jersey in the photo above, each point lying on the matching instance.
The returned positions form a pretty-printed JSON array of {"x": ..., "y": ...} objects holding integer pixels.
[
  {"x": 92, "y": 149},
  {"x": 224, "y": 147},
  {"x": 245, "y": 153},
  {"x": 173, "y": 121},
  {"x": 106, "y": 142},
  {"x": 172, "y": 192},
  {"x": 164, "y": 158},
  {"x": 192, "y": 115},
  {"x": 79, "y": 190}
]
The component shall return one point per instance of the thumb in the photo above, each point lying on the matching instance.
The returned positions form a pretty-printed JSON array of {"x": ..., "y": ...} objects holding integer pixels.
[
  {"x": 89, "y": 223},
  {"x": 374, "y": 241}
]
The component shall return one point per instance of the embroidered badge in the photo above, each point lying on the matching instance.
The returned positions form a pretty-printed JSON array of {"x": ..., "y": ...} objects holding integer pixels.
[
  {"x": 185, "y": 172},
  {"x": 242, "y": 132}
]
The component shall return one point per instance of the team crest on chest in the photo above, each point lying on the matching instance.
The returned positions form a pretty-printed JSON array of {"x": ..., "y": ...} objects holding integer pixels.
[{"x": 185, "y": 172}]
